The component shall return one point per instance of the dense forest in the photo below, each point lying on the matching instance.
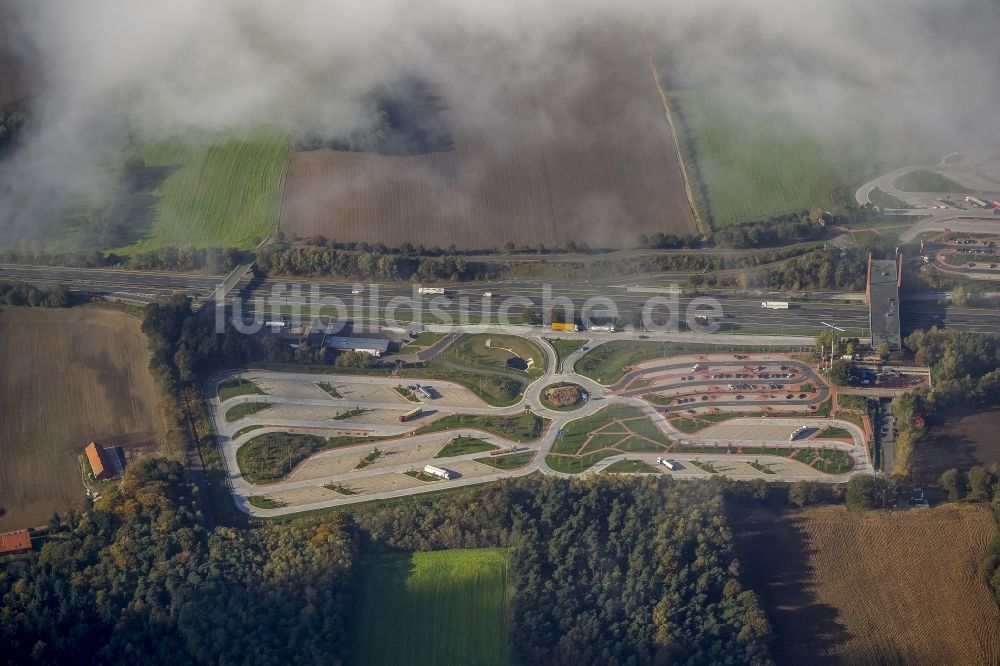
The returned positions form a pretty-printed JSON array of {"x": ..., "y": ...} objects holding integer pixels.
[
  {"x": 610, "y": 571},
  {"x": 186, "y": 349},
  {"x": 136, "y": 579}
]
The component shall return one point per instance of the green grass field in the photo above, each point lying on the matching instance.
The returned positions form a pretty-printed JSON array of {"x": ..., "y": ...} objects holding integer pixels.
[
  {"x": 461, "y": 446},
  {"x": 243, "y": 431},
  {"x": 629, "y": 467},
  {"x": 472, "y": 351},
  {"x": 928, "y": 181},
  {"x": 828, "y": 462},
  {"x": 421, "y": 342},
  {"x": 244, "y": 409},
  {"x": 755, "y": 163},
  {"x": 221, "y": 194},
  {"x": 437, "y": 608},
  {"x": 509, "y": 461},
  {"x": 609, "y": 432},
  {"x": 523, "y": 427},
  {"x": 235, "y": 386},
  {"x": 608, "y": 363},
  {"x": 564, "y": 347},
  {"x": 884, "y": 200},
  {"x": 963, "y": 259}
]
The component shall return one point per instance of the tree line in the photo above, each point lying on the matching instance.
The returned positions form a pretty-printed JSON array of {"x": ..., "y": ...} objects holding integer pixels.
[
  {"x": 323, "y": 261},
  {"x": 779, "y": 230},
  {"x": 15, "y": 292},
  {"x": 217, "y": 260}
]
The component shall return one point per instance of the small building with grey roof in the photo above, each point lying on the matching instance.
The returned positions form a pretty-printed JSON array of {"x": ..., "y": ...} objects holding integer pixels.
[{"x": 373, "y": 346}]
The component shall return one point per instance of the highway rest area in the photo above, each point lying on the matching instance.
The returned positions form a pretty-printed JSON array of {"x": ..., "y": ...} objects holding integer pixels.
[{"x": 746, "y": 416}]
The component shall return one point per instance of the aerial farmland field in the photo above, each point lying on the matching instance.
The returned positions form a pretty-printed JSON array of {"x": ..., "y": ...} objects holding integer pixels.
[
  {"x": 69, "y": 377},
  {"x": 754, "y": 163},
  {"x": 582, "y": 154},
  {"x": 442, "y": 607},
  {"x": 214, "y": 194},
  {"x": 898, "y": 587}
]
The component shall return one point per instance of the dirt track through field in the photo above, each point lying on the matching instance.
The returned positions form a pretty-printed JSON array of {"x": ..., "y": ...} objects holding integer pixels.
[
  {"x": 874, "y": 587},
  {"x": 583, "y": 152},
  {"x": 68, "y": 377}
]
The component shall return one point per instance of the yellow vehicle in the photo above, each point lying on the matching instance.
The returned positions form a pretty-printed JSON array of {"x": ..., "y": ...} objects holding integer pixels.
[{"x": 559, "y": 326}]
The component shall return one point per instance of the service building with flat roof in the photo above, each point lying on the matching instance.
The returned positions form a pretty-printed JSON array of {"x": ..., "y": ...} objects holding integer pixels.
[
  {"x": 373, "y": 346},
  {"x": 882, "y": 295}
]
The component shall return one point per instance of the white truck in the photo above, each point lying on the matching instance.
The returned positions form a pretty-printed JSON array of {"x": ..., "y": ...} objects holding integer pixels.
[
  {"x": 438, "y": 471},
  {"x": 774, "y": 305},
  {"x": 667, "y": 462},
  {"x": 277, "y": 323},
  {"x": 430, "y": 290},
  {"x": 607, "y": 328}
]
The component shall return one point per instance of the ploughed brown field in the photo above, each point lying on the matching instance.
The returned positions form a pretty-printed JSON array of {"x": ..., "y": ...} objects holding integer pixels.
[
  {"x": 574, "y": 150},
  {"x": 960, "y": 441},
  {"x": 873, "y": 588},
  {"x": 69, "y": 377}
]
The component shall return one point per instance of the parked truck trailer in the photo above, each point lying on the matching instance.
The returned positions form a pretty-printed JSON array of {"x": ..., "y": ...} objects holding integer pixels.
[
  {"x": 774, "y": 305},
  {"x": 560, "y": 326},
  {"x": 667, "y": 462},
  {"x": 410, "y": 415},
  {"x": 438, "y": 471}
]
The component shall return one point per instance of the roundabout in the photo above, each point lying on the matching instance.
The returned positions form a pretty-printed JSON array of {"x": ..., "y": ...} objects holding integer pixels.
[{"x": 564, "y": 397}]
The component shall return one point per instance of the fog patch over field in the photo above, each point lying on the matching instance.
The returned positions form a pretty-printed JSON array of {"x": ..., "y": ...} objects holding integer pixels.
[{"x": 106, "y": 72}]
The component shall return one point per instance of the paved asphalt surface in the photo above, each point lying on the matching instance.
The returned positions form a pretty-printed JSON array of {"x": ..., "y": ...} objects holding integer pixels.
[
  {"x": 739, "y": 312},
  {"x": 664, "y": 374}
]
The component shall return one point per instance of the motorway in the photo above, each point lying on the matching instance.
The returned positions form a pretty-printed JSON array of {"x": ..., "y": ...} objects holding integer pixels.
[
  {"x": 326, "y": 297},
  {"x": 299, "y": 405}
]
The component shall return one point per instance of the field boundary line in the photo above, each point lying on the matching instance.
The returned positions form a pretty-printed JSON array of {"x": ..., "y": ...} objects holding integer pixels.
[
  {"x": 702, "y": 224},
  {"x": 276, "y": 226}
]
